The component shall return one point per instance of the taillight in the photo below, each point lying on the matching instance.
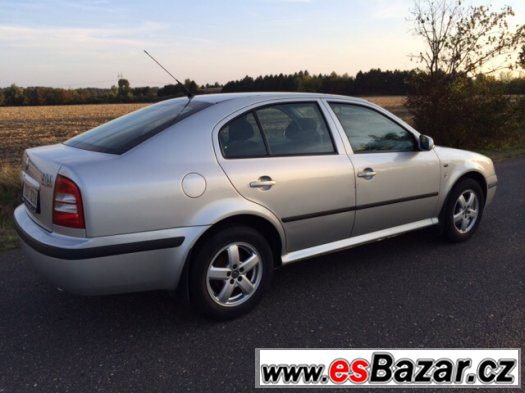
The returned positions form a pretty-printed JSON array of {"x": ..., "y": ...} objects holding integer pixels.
[{"x": 67, "y": 204}]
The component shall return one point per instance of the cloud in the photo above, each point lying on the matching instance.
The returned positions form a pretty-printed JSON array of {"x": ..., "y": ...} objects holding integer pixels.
[
  {"x": 390, "y": 9},
  {"x": 95, "y": 5},
  {"x": 293, "y": 1},
  {"x": 82, "y": 5},
  {"x": 56, "y": 37},
  {"x": 91, "y": 56}
]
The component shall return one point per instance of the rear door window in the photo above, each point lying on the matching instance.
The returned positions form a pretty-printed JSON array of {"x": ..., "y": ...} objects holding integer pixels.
[
  {"x": 295, "y": 129},
  {"x": 126, "y": 132},
  {"x": 241, "y": 138},
  {"x": 277, "y": 130}
]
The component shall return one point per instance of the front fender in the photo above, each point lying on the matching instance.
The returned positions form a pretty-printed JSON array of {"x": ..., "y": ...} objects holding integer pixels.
[{"x": 457, "y": 163}]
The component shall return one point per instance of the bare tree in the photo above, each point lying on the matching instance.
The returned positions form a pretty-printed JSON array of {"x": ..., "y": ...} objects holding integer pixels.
[
  {"x": 453, "y": 96},
  {"x": 469, "y": 40}
]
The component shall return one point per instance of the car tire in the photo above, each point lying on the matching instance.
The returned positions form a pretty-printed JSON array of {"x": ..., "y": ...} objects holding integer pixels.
[
  {"x": 229, "y": 272},
  {"x": 462, "y": 215}
]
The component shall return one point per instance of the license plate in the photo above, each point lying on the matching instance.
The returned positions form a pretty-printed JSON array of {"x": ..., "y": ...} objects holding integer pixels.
[{"x": 30, "y": 196}]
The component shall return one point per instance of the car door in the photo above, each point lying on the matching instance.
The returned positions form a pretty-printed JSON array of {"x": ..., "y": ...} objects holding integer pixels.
[
  {"x": 284, "y": 156},
  {"x": 396, "y": 183}
]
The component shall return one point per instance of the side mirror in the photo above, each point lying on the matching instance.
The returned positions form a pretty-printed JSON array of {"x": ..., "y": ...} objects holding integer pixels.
[{"x": 425, "y": 142}]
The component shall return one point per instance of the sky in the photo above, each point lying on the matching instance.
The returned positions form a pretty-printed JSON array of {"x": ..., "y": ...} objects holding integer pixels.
[{"x": 79, "y": 43}]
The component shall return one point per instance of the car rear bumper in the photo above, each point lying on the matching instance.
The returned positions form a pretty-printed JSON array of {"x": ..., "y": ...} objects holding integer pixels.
[{"x": 110, "y": 264}]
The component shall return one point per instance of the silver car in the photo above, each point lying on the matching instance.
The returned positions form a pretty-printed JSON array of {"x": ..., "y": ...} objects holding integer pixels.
[{"x": 209, "y": 195}]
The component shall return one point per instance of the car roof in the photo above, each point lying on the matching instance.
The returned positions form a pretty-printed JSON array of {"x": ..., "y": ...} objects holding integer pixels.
[{"x": 264, "y": 96}]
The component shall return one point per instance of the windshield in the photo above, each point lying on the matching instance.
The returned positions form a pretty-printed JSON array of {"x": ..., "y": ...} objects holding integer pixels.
[{"x": 123, "y": 133}]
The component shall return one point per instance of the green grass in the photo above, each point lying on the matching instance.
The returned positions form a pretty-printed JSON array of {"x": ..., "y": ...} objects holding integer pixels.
[
  {"x": 503, "y": 153},
  {"x": 10, "y": 194}
]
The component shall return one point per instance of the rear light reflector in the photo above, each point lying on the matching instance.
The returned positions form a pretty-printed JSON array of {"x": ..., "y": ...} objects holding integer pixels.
[{"x": 67, "y": 204}]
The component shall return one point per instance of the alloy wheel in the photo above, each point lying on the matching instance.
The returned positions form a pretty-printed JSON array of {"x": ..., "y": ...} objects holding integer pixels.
[
  {"x": 234, "y": 274},
  {"x": 466, "y": 211}
]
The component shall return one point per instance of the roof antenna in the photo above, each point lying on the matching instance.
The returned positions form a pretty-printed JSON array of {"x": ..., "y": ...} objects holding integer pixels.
[{"x": 188, "y": 93}]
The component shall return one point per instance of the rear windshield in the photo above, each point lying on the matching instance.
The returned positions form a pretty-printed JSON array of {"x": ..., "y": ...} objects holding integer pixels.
[{"x": 126, "y": 132}]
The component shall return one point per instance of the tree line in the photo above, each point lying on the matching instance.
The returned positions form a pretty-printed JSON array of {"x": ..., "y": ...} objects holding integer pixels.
[
  {"x": 369, "y": 83},
  {"x": 121, "y": 93},
  {"x": 373, "y": 82}
]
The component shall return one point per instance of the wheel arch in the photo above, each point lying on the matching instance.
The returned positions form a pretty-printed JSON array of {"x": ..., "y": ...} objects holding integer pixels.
[
  {"x": 472, "y": 174},
  {"x": 264, "y": 226}
]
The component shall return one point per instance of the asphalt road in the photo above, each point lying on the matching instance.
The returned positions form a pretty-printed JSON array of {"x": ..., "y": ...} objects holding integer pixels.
[{"x": 411, "y": 291}]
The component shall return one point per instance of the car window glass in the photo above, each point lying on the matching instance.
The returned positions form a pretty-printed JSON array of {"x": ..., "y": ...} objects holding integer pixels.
[
  {"x": 242, "y": 138},
  {"x": 297, "y": 128},
  {"x": 126, "y": 132},
  {"x": 370, "y": 131}
]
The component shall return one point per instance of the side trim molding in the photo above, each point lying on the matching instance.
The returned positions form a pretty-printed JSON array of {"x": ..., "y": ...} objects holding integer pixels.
[
  {"x": 97, "y": 252},
  {"x": 318, "y": 214},
  {"x": 492, "y": 185},
  {"x": 356, "y": 241},
  {"x": 392, "y": 201},
  {"x": 358, "y": 207}
]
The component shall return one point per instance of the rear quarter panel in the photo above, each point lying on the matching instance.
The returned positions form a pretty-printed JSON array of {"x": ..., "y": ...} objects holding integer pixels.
[{"x": 141, "y": 190}]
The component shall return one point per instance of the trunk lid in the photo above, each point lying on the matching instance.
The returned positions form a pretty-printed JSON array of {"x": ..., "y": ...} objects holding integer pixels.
[{"x": 40, "y": 167}]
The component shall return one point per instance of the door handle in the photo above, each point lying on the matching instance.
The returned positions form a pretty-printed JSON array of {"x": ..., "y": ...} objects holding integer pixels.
[
  {"x": 367, "y": 173},
  {"x": 264, "y": 183}
]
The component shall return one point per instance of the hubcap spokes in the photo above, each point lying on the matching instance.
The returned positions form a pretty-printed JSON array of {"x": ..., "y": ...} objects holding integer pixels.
[
  {"x": 234, "y": 274},
  {"x": 466, "y": 211}
]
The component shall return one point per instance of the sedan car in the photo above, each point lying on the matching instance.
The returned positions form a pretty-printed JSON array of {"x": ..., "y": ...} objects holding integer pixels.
[{"x": 208, "y": 195}]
